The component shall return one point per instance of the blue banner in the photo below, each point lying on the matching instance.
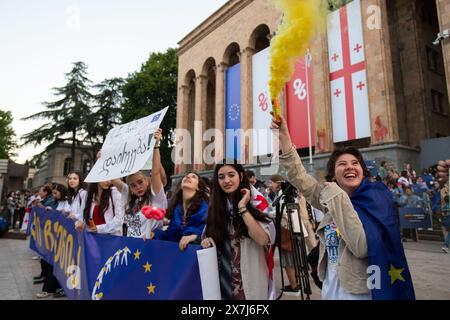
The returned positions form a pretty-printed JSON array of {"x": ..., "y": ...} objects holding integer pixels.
[
  {"x": 54, "y": 238},
  {"x": 372, "y": 167},
  {"x": 413, "y": 218},
  {"x": 95, "y": 266},
  {"x": 233, "y": 112}
]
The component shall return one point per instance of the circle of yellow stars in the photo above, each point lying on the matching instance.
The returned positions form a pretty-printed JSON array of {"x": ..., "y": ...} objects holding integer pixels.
[{"x": 147, "y": 268}]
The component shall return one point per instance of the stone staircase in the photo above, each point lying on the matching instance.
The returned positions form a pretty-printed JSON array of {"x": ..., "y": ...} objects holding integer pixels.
[{"x": 431, "y": 235}]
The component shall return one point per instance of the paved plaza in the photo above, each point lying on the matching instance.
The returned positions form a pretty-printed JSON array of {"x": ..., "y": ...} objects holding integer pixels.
[{"x": 430, "y": 269}]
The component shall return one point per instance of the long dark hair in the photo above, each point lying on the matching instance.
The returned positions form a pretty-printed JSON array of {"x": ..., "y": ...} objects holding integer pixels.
[
  {"x": 47, "y": 189},
  {"x": 147, "y": 198},
  {"x": 339, "y": 152},
  {"x": 82, "y": 186},
  {"x": 62, "y": 189},
  {"x": 218, "y": 215},
  {"x": 195, "y": 202},
  {"x": 104, "y": 200}
]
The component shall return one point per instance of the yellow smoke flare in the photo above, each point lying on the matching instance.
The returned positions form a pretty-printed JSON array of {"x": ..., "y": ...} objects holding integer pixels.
[{"x": 301, "y": 19}]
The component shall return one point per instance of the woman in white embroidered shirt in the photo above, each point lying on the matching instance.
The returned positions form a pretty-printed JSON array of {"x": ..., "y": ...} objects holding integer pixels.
[{"x": 241, "y": 233}]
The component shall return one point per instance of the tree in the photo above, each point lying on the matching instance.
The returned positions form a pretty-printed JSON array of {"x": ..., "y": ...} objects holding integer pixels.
[
  {"x": 151, "y": 89},
  {"x": 37, "y": 160},
  {"x": 7, "y": 135},
  {"x": 107, "y": 110},
  {"x": 68, "y": 115}
]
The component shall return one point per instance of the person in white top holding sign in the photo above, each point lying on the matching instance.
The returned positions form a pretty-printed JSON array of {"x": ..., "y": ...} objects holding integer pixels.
[{"x": 144, "y": 192}]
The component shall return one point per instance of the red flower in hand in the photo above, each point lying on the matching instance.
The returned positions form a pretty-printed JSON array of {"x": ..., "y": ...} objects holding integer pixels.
[{"x": 151, "y": 212}]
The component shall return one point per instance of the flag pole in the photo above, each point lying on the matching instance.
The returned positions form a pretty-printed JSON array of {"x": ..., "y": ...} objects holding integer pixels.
[{"x": 308, "y": 64}]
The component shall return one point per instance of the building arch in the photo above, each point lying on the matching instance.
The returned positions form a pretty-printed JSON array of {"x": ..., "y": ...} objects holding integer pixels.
[
  {"x": 231, "y": 55},
  {"x": 260, "y": 38}
]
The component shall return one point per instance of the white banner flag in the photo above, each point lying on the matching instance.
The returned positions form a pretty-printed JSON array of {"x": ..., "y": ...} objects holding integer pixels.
[
  {"x": 348, "y": 80},
  {"x": 127, "y": 148},
  {"x": 262, "y": 105}
]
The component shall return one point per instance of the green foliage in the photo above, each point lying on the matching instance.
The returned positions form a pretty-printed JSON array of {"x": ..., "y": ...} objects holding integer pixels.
[
  {"x": 7, "y": 135},
  {"x": 37, "y": 160},
  {"x": 151, "y": 89},
  {"x": 67, "y": 115},
  {"x": 106, "y": 111}
]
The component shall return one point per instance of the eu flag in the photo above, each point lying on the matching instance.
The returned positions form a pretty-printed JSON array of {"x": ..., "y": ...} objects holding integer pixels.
[
  {"x": 376, "y": 210},
  {"x": 233, "y": 112},
  {"x": 130, "y": 268},
  {"x": 99, "y": 266}
]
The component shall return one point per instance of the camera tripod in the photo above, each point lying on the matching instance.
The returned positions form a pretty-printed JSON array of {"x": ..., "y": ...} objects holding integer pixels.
[{"x": 298, "y": 244}]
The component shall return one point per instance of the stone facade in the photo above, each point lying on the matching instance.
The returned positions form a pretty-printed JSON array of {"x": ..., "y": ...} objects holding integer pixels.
[
  {"x": 55, "y": 167},
  {"x": 405, "y": 74}
]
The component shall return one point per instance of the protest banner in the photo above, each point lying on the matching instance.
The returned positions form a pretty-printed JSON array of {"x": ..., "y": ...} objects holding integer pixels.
[
  {"x": 372, "y": 167},
  {"x": 105, "y": 267},
  {"x": 414, "y": 218},
  {"x": 127, "y": 148}
]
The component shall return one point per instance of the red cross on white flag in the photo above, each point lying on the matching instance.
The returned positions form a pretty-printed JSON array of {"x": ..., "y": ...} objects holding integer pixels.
[{"x": 348, "y": 80}]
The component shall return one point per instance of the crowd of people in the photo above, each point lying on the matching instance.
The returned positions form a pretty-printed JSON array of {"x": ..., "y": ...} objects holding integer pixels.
[{"x": 342, "y": 218}]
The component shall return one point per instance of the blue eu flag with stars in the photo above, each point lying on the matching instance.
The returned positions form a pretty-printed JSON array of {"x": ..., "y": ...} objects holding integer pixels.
[
  {"x": 376, "y": 210},
  {"x": 130, "y": 268},
  {"x": 233, "y": 112}
]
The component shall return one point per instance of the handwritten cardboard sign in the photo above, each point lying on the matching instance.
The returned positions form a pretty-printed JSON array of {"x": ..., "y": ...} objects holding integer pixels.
[{"x": 127, "y": 148}]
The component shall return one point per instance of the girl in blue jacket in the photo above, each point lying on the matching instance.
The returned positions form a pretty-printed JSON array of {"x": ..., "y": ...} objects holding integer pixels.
[{"x": 187, "y": 211}]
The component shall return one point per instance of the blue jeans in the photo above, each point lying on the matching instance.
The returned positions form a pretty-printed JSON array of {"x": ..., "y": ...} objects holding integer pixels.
[{"x": 446, "y": 236}]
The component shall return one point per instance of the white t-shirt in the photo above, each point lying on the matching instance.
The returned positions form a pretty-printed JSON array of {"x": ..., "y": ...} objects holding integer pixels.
[
  {"x": 63, "y": 206},
  {"x": 78, "y": 204},
  {"x": 331, "y": 288},
  {"x": 137, "y": 224}
]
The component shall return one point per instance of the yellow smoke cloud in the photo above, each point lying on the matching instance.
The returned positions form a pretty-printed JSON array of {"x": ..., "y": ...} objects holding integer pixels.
[{"x": 301, "y": 20}]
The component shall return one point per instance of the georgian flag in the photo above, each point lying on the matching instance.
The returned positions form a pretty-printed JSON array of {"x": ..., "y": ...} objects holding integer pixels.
[
  {"x": 348, "y": 80},
  {"x": 260, "y": 202}
]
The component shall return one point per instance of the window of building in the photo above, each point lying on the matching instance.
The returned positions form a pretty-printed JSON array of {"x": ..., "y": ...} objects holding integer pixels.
[
  {"x": 87, "y": 166},
  {"x": 67, "y": 164},
  {"x": 432, "y": 59},
  {"x": 437, "y": 100}
]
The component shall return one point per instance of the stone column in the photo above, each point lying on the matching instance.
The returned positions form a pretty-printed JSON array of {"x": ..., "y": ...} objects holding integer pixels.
[
  {"x": 443, "y": 10},
  {"x": 247, "y": 100},
  {"x": 382, "y": 106},
  {"x": 220, "y": 110},
  {"x": 182, "y": 119},
  {"x": 200, "y": 120},
  {"x": 321, "y": 99}
]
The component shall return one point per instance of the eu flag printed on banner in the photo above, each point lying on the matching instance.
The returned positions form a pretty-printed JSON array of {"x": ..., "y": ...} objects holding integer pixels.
[
  {"x": 130, "y": 268},
  {"x": 233, "y": 112},
  {"x": 376, "y": 210},
  {"x": 99, "y": 266}
]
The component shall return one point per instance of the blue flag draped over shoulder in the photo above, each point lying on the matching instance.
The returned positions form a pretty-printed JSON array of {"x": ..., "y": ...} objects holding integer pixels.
[{"x": 376, "y": 210}]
